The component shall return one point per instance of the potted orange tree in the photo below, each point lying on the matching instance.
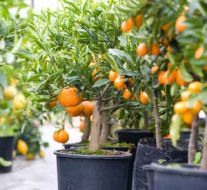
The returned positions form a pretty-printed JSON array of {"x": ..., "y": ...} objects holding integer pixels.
[
  {"x": 71, "y": 68},
  {"x": 151, "y": 37},
  {"x": 191, "y": 40}
]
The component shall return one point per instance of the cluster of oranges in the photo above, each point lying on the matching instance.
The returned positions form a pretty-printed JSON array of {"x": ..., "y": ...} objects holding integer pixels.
[
  {"x": 71, "y": 99},
  {"x": 143, "y": 50},
  {"x": 168, "y": 77},
  {"x": 184, "y": 108},
  {"x": 128, "y": 25},
  {"x": 120, "y": 84}
]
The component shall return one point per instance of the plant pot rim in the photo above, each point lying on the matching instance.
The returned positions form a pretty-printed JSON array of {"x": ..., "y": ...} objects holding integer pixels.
[
  {"x": 133, "y": 130},
  {"x": 59, "y": 153},
  {"x": 185, "y": 169}
]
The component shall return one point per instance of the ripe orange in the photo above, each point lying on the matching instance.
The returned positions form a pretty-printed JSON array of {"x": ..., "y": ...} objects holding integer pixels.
[
  {"x": 138, "y": 21},
  {"x": 144, "y": 98},
  {"x": 180, "y": 107},
  {"x": 75, "y": 110},
  {"x": 70, "y": 97},
  {"x": 88, "y": 108},
  {"x": 168, "y": 77},
  {"x": 166, "y": 26},
  {"x": 119, "y": 83},
  {"x": 61, "y": 136},
  {"x": 155, "y": 50},
  {"x": 113, "y": 75},
  {"x": 188, "y": 117},
  {"x": 180, "y": 25},
  {"x": 195, "y": 87},
  {"x": 161, "y": 79},
  {"x": 154, "y": 69},
  {"x": 127, "y": 26},
  {"x": 197, "y": 106},
  {"x": 185, "y": 95},
  {"x": 168, "y": 136},
  {"x": 127, "y": 94},
  {"x": 52, "y": 103},
  {"x": 82, "y": 126},
  {"x": 199, "y": 53},
  {"x": 179, "y": 79},
  {"x": 142, "y": 49},
  {"x": 10, "y": 92}
]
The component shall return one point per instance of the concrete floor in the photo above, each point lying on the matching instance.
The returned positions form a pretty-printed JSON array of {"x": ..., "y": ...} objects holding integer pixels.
[{"x": 39, "y": 174}]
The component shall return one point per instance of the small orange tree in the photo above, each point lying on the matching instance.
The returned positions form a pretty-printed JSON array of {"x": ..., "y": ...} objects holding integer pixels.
[
  {"x": 151, "y": 43},
  {"x": 72, "y": 63}
]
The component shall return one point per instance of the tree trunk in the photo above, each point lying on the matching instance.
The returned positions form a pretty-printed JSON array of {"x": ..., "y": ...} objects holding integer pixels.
[
  {"x": 204, "y": 157},
  {"x": 87, "y": 129},
  {"x": 157, "y": 122},
  {"x": 105, "y": 127},
  {"x": 146, "y": 120},
  {"x": 192, "y": 147},
  {"x": 96, "y": 129}
]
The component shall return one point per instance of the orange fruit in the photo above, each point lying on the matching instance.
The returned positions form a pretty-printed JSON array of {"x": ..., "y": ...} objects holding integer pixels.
[
  {"x": 197, "y": 106},
  {"x": 155, "y": 49},
  {"x": 199, "y": 53},
  {"x": 168, "y": 136},
  {"x": 180, "y": 107},
  {"x": 138, "y": 21},
  {"x": 127, "y": 94},
  {"x": 179, "y": 79},
  {"x": 119, "y": 83},
  {"x": 10, "y": 92},
  {"x": 88, "y": 108},
  {"x": 161, "y": 77},
  {"x": 185, "y": 95},
  {"x": 142, "y": 49},
  {"x": 75, "y": 110},
  {"x": 168, "y": 77},
  {"x": 180, "y": 25},
  {"x": 127, "y": 26},
  {"x": 188, "y": 117},
  {"x": 144, "y": 98},
  {"x": 52, "y": 103},
  {"x": 205, "y": 67},
  {"x": 61, "y": 136},
  {"x": 166, "y": 26},
  {"x": 70, "y": 97},
  {"x": 165, "y": 41},
  {"x": 113, "y": 75},
  {"x": 195, "y": 87},
  {"x": 154, "y": 69},
  {"x": 82, "y": 126}
]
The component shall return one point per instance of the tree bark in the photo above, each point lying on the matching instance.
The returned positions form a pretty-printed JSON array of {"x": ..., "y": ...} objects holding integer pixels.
[
  {"x": 157, "y": 122},
  {"x": 146, "y": 120},
  {"x": 105, "y": 127},
  {"x": 87, "y": 129},
  {"x": 193, "y": 143},
  {"x": 204, "y": 157},
  {"x": 96, "y": 128}
]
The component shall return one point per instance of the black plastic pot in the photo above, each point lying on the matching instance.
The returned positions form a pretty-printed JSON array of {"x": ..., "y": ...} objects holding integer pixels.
[
  {"x": 132, "y": 135},
  {"x": 132, "y": 150},
  {"x": 92, "y": 172},
  {"x": 147, "y": 153},
  {"x": 74, "y": 145},
  {"x": 176, "y": 178},
  {"x": 6, "y": 150}
]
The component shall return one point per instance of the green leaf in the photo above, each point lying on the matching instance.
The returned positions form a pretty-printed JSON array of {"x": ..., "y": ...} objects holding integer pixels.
[
  {"x": 121, "y": 54},
  {"x": 198, "y": 157},
  {"x": 186, "y": 75},
  {"x": 100, "y": 82},
  {"x": 5, "y": 163}
]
